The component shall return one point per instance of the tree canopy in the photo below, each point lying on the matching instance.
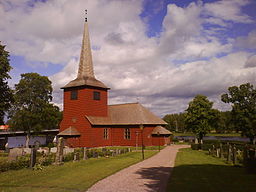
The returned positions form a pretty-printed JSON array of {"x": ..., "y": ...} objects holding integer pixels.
[
  {"x": 243, "y": 99},
  {"x": 32, "y": 110},
  {"x": 6, "y": 93},
  {"x": 200, "y": 116},
  {"x": 175, "y": 122}
]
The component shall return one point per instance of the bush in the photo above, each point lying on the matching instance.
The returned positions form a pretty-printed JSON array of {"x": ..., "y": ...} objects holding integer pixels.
[
  {"x": 212, "y": 142},
  {"x": 194, "y": 146},
  {"x": 46, "y": 160},
  {"x": 3, "y": 154},
  {"x": 68, "y": 157},
  {"x": 250, "y": 161},
  {"x": 206, "y": 147},
  {"x": 21, "y": 162}
]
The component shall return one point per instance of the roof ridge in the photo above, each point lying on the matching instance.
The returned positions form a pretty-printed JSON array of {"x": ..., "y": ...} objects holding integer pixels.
[{"x": 124, "y": 104}]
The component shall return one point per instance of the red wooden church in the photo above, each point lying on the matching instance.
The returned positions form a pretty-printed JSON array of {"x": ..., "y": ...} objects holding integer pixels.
[{"x": 88, "y": 116}]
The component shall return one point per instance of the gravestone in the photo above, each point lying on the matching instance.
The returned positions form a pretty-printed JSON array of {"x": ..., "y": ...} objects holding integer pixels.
[
  {"x": 76, "y": 156},
  {"x": 67, "y": 150},
  {"x": 104, "y": 151},
  {"x": 59, "y": 153},
  {"x": 26, "y": 151},
  {"x": 14, "y": 154},
  {"x": 213, "y": 149},
  {"x": 85, "y": 153},
  {"x": 221, "y": 151},
  {"x": 44, "y": 150},
  {"x": 94, "y": 154},
  {"x": 32, "y": 158},
  {"x": 53, "y": 150},
  {"x": 234, "y": 157},
  {"x": 112, "y": 153},
  {"x": 229, "y": 153},
  {"x": 218, "y": 152}
]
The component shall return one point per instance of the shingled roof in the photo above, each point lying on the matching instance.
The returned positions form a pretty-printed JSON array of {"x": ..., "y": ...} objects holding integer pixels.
[
  {"x": 71, "y": 131},
  {"x": 127, "y": 114},
  {"x": 85, "y": 81},
  {"x": 85, "y": 75},
  {"x": 161, "y": 131}
]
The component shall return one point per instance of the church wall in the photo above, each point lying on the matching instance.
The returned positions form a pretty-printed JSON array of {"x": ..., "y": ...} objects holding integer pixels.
[
  {"x": 85, "y": 104},
  {"x": 74, "y": 112},
  {"x": 98, "y": 139},
  {"x": 118, "y": 138},
  {"x": 160, "y": 140}
]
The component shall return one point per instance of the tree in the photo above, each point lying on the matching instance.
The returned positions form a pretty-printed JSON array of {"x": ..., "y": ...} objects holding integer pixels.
[
  {"x": 175, "y": 122},
  {"x": 6, "y": 93},
  {"x": 200, "y": 116},
  {"x": 32, "y": 110},
  {"x": 224, "y": 122},
  {"x": 243, "y": 99}
]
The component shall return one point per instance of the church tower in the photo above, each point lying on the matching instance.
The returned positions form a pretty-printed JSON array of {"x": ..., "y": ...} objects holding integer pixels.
[{"x": 84, "y": 96}]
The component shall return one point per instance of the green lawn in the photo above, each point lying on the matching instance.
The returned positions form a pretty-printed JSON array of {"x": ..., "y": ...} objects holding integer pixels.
[
  {"x": 72, "y": 176},
  {"x": 210, "y": 134},
  {"x": 197, "y": 171}
]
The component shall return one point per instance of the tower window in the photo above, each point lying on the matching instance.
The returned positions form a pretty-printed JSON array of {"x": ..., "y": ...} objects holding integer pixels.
[
  {"x": 96, "y": 95},
  {"x": 74, "y": 94},
  {"x": 105, "y": 135},
  {"x": 127, "y": 133}
]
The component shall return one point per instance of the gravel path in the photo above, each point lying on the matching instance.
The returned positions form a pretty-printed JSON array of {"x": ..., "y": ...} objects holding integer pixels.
[{"x": 150, "y": 175}]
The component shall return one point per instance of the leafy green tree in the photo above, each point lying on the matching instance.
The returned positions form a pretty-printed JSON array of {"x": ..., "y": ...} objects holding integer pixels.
[
  {"x": 243, "y": 99},
  {"x": 224, "y": 123},
  {"x": 32, "y": 110},
  {"x": 6, "y": 93},
  {"x": 200, "y": 116},
  {"x": 175, "y": 122}
]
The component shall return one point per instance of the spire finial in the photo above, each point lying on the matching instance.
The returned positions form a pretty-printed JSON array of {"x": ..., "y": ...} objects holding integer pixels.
[{"x": 85, "y": 19}]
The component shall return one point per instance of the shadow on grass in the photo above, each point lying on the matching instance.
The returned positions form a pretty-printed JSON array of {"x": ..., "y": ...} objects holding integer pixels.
[
  {"x": 158, "y": 175},
  {"x": 211, "y": 178}
]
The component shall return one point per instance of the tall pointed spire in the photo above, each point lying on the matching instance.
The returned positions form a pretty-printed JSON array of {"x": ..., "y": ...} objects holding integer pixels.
[
  {"x": 85, "y": 64},
  {"x": 85, "y": 75}
]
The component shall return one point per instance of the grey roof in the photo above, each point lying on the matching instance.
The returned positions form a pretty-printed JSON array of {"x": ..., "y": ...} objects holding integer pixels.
[
  {"x": 71, "y": 131},
  {"x": 85, "y": 75},
  {"x": 127, "y": 114},
  {"x": 89, "y": 81},
  {"x": 161, "y": 131}
]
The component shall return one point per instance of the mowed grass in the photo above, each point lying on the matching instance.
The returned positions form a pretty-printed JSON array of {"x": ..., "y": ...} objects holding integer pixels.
[
  {"x": 197, "y": 171},
  {"x": 72, "y": 176},
  {"x": 211, "y": 134}
]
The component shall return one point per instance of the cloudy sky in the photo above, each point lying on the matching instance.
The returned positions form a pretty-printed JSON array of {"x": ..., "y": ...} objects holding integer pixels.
[{"x": 158, "y": 52}]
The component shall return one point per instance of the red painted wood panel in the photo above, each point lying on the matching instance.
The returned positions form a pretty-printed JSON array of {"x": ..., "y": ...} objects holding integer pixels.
[{"x": 74, "y": 112}]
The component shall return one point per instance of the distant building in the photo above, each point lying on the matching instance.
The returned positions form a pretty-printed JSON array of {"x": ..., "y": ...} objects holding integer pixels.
[
  {"x": 18, "y": 138},
  {"x": 88, "y": 116},
  {"x": 4, "y": 127}
]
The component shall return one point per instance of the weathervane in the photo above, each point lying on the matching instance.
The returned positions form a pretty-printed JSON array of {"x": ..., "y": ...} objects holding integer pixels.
[{"x": 85, "y": 15}]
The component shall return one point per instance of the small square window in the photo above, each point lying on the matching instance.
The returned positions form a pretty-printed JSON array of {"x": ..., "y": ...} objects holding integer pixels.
[
  {"x": 73, "y": 95},
  {"x": 96, "y": 95}
]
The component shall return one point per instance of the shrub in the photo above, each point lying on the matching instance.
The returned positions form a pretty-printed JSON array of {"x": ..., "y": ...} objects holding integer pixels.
[
  {"x": 250, "y": 161},
  {"x": 21, "y": 162},
  {"x": 68, "y": 157},
  {"x": 206, "y": 147},
  {"x": 194, "y": 146}
]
